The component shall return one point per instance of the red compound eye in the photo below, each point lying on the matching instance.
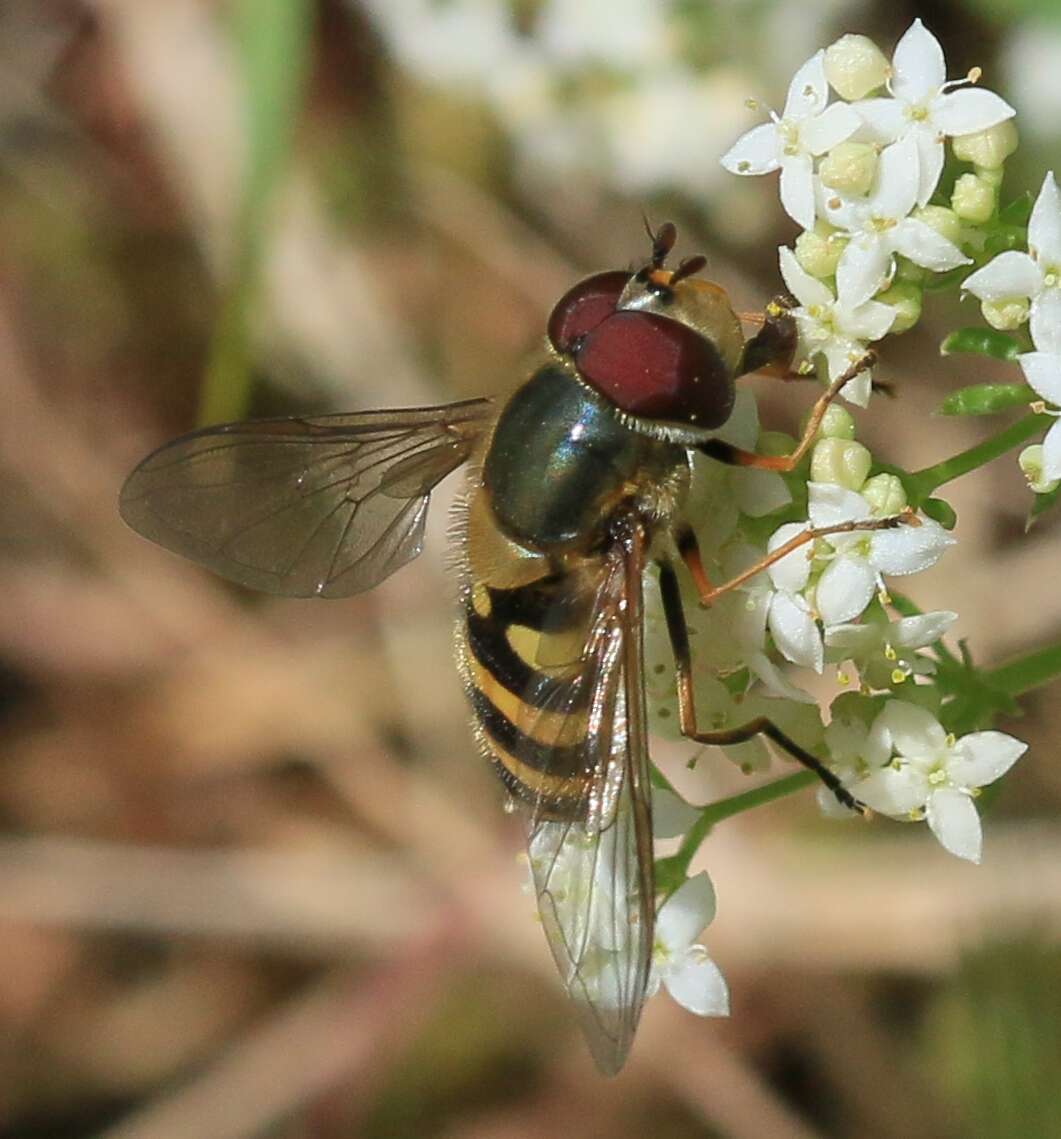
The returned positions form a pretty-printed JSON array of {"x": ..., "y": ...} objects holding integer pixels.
[
  {"x": 583, "y": 307},
  {"x": 657, "y": 368}
]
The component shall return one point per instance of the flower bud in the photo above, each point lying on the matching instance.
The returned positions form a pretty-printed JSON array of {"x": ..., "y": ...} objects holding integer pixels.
[
  {"x": 775, "y": 443},
  {"x": 842, "y": 462},
  {"x": 854, "y": 66},
  {"x": 991, "y": 177},
  {"x": 1031, "y": 463},
  {"x": 1006, "y": 314},
  {"x": 837, "y": 423},
  {"x": 989, "y": 148},
  {"x": 974, "y": 199},
  {"x": 885, "y": 495},
  {"x": 818, "y": 250},
  {"x": 849, "y": 168},
  {"x": 906, "y": 270},
  {"x": 905, "y": 298},
  {"x": 945, "y": 222}
]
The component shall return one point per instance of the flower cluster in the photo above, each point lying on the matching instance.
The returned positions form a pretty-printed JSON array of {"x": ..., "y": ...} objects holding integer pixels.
[{"x": 860, "y": 175}]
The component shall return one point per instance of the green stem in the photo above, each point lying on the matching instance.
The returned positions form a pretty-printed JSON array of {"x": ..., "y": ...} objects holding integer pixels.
[
  {"x": 923, "y": 483},
  {"x": 1027, "y": 672}
]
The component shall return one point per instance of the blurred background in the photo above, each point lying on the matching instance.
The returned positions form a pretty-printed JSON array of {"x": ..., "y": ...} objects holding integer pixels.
[{"x": 254, "y": 880}]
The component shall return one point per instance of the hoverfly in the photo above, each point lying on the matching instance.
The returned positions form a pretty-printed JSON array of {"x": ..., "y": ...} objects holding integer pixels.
[{"x": 578, "y": 482}]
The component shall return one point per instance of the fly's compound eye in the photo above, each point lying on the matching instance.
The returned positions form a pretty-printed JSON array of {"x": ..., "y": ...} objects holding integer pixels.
[{"x": 583, "y": 307}]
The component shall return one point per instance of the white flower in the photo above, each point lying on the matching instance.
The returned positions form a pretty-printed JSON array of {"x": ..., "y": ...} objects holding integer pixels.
[
  {"x": 1035, "y": 274},
  {"x": 672, "y": 816},
  {"x": 806, "y": 128},
  {"x": 789, "y": 617},
  {"x": 923, "y": 110},
  {"x": 855, "y": 571},
  {"x": 1042, "y": 370},
  {"x": 832, "y": 327},
  {"x": 879, "y": 228},
  {"x": 682, "y": 966},
  {"x": 935, "y": 773},
  {"x": 883, "y": 651}
]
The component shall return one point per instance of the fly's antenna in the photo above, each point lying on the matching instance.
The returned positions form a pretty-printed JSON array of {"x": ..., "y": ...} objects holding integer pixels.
[
  {"x": 663, "y": 241},
  {"x": 688, "y": 267}
]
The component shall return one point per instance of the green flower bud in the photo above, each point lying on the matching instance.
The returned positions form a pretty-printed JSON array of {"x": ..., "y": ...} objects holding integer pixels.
[
  {"x": 945, "y": 222},
  {"x": 854, "y": 66},
  {"x": 775, "y": 443},
  {"x": 907, "y": 271},
  {"x": 842, "y": 462},
  {"x": 991, "y": 177},
  {"x": 837, "y": 423},
  {"x": 1030, "y": 461},
  {"x": 818, "y": 250},
  {"x": 849, "y": 167},
  {"x": 1007, "y": 314},
  {"x": 885, "y": 495},
  {"x": 905, "y": 298},
  {"x": 989, "y": 148},
  {"x": 974, "y": 199}
]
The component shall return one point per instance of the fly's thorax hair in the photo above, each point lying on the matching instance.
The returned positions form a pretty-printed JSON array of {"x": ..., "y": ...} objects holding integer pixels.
[{"x": 700, "y": 305}]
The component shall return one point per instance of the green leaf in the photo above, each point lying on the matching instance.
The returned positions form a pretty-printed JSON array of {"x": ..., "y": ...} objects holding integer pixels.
[
  {"x": 981, "y": 342},
  {"x": 940, "y": 511},
  {"x": 986, "y": 399},
  {"x": 1018, "y": 211},
  {"x": 1041, "y": 504}
]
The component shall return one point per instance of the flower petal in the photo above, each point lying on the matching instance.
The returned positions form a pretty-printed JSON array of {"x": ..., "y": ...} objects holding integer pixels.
[
  {"x": 806, "y": 289},
  {"x": 930, "y": 162},
  {"x": 858, "y": 390},
  {"x": 884, "y": 120},
  {"x": 863, "y": 269},
  {"x": 698, "y": 985},
  {"x": 919, "y": 69},
  {"x": 775, "y": 682},
  {"x": 1052, "y": 453},
  {"x": 982, "y": 757},
  {"x": 832, "y": 127},
  {"x": 671, "y": 815},
  {"x": 797, "y": 188},
  {"x": 759, "y": 493},
  {"x": 870, "y": 321},
  {"x": 892, "y": 791},
  {"x": 1044, "y": 226},
  {"x": 925, "y": 247},
  {"x": 808, "y": 92},
  {"x": 969, "y": 110},
  {"x": 897, "y": 179},
  {"x": 856, "y": 639},
  {"x": 910, "y": 729},
  {"x": 909, "y": 549},
  {"x": 1042, "y": 370},
  {"x": 795, "y": 631},
  {"x": 757, "y": 152},
  {"x": 1010, "y": 274},
  {"x": 955, "y": 822},
  {"x": 1045, "y": 322},
  {"x": 829, "y": 504},
  {"x": 845, "y": 589},
  {"x": 685, "y": 913},
  {"x": 924, "y": 629},
  {"x": 792, "y": 571}
]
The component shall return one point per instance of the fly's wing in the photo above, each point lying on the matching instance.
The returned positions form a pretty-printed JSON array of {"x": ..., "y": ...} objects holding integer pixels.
[
  {"x": 320, "y": 507},
  {"x": 591, "y": 860}
]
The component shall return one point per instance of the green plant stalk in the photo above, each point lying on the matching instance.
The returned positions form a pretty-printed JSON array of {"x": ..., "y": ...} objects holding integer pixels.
[{"x": 1032, "y": 670}]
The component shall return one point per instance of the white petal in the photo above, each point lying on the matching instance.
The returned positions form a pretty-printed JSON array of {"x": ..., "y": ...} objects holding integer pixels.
[
  {"x": 808, "y": 91},
  {"x": 863, "y": 269},
  {"x": 858, "y": 390},
  {"x": 829, "y": 504},
  {"x": 969, "y": 110},
  {"x": 698, "y": 985},
  {"x": 955, "y": 822},
  {"x": 924, "y": 629},
  {"x": 897, "y": 179},
  {"x": 1044, "y": 226},
  {"x": 930, "y": 162},
  {"x": 757, "y": 152},
  {"x": 1042, "y": 370},
  {"x": 775, "y": 682},
  {"x": 797, "y": 188},
  {"x": 870, "y": 321},
  {"x": 1010, "y": 274},
  {"x": 845, "y": 589},
  {"x": 925, "y": 247},
  {"x": 806, "y": 289},
  {"x": 892, "y": 792},
  {"x": 830, "y": 806},
  {"x": 919, "y": 67},
  {"x": 982, "y": 757},
  {"x": 909, "y": 549},
  {"x": 1052, "y": 452},
  {"x": 832, "y": 127},
  {"x": 912, "y": 730},
  {"x": 795, "y": 631},
  {"x": 760, "y": 492},
  {"x": 671, "y": 815},
  {"x": 855, "y": 639},
  {"x": 742, "y": 427},
  {"x": 1045, "y": 322},
  {"x": 685, "y": 913},
  {"x": 792, "y": 571},
  {"x": 884, "y": 119}
]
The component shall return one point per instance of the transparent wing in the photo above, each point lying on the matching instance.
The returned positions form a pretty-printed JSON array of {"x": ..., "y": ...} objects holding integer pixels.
[
  {"x": 320, "y": 507},
  {"x": 591, "y": 859}
]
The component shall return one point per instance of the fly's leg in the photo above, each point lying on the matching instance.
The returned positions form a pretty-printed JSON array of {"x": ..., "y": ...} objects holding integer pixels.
[
  {"x": 737, "y": 457},
  {"x": 679, "y": 639}
]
